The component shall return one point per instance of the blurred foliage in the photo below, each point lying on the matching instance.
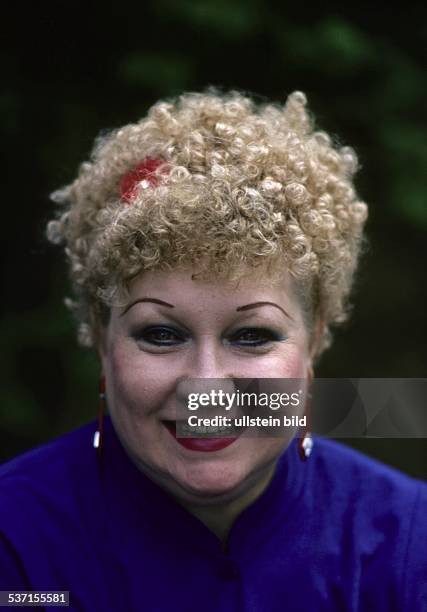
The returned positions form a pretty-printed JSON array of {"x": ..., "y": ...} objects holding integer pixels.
[
  {"x": 221, "y": 18},
  {"x": 67, "y": 74},
  {"x": 155, "y": 69}
]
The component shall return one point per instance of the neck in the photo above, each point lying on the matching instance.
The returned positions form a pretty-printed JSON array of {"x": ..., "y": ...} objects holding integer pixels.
[{"x": 219, "y": 518}]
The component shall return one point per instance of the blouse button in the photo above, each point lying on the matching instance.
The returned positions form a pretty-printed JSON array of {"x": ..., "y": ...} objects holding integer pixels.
[{"x": 229, "y": 570}]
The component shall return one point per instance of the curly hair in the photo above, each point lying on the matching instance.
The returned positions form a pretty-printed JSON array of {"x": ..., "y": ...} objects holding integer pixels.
[{"x": 246, "y": 185}]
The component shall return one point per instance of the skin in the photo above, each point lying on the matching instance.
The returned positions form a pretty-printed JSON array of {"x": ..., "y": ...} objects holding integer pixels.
[{"x": 202, "y": 339}]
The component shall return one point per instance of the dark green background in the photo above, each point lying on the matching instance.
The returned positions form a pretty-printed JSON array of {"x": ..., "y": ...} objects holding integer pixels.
[{"x": 73, "y": 69}]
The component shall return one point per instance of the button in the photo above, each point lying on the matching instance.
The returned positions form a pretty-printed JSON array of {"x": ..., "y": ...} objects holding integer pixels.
[{"x": 229, "y": 570}]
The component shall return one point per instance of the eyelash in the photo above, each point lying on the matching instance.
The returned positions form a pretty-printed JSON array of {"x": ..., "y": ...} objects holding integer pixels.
[{"x": 269, "y": 336}]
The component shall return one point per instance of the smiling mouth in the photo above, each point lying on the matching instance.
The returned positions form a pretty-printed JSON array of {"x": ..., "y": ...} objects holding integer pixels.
[{"x": 202, "y": 441}]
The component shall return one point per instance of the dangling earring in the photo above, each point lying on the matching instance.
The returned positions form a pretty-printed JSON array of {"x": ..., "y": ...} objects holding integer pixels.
[
  {"x": 98, "y": 437},
  {"x": 305, "y": 442}
]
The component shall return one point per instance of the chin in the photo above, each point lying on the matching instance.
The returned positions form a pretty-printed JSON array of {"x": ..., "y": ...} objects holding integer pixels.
[{"x": 205, "y": 485}]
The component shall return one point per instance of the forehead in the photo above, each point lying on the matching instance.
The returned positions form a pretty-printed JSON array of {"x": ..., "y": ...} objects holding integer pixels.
[{"x": 180, "y": 286}]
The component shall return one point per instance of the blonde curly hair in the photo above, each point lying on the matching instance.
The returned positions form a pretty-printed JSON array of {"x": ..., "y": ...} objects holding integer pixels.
[{"x": 246, "y": 185}]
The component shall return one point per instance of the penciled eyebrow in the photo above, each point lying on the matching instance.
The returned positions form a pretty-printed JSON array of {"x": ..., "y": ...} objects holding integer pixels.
[
  {"x": 257, "y": 304},
  {"x": 146, "y": 299},
  {"x": 239, "y": 308}
]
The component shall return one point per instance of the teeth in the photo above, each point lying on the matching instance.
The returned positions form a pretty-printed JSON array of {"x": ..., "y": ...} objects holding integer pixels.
[{"x": 184, "y": 428}]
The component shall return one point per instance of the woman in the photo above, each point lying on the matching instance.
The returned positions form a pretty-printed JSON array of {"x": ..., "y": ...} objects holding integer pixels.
[{"x": 211, "y": 240}]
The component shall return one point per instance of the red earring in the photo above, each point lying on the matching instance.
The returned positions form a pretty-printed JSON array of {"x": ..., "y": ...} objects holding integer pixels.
[
  {"x": 98, "y": 437},
  {"x": 305, "y": 442}
]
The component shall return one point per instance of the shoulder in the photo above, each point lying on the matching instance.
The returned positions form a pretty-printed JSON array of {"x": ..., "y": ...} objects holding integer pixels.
[
  {"x": 376, "y": 511},
  {"x": 48, "y": 499},
  {"x": 52, "y": 459},
  {"x": 354, "y": 472},
  {"x": 348, "y": 477},
  {"x": 51, "y": 520},
  {"x": 46, "y": 479}
]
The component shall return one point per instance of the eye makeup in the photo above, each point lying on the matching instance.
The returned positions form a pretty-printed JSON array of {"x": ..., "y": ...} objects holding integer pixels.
[
  {"x": 260, "y": 336},
  {"x": 159, "y": 335},
  {"x": 165, "y": 335}
]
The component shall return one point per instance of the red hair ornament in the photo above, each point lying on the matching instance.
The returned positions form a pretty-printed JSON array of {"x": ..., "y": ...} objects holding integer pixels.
[{"x": 144, "y": 175}]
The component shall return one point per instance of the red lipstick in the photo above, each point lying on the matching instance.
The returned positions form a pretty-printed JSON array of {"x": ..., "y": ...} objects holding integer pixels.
[{"x": 204, "y": 445}]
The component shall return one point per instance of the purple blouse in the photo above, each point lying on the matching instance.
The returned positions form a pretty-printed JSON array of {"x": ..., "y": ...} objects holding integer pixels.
[{"x": 340, "y": 532}]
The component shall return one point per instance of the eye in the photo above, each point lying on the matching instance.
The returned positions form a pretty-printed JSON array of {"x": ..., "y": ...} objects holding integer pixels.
[
  {"x": 256, "y": 336},
  {"x": 159, "y": 336}
]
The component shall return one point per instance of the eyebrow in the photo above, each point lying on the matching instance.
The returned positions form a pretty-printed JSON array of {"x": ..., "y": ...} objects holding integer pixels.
[
  {"x": 239, "y": 308},
  {"x": 146, "y": 299},
  {"x": 257, "y": 304}
]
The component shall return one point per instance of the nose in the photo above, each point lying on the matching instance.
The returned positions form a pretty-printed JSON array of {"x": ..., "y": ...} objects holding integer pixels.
[
  {"x": 207, "y": 369},
  {"x": 208, "y": 360}
]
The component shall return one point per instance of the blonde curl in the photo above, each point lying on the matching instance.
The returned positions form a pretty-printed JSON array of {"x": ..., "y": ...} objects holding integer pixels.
[{"x": 247, "y": 185}]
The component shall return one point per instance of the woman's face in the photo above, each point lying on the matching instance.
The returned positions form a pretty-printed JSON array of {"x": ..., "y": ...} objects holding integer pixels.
[{"x": 173, "y": 329}]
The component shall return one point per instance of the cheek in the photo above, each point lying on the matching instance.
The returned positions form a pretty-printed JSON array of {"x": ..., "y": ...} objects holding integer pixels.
[
  {"x": 135, "y": 382},
  {"x": 295, "y": 365},
  {"x": 291, "y": 363}
]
